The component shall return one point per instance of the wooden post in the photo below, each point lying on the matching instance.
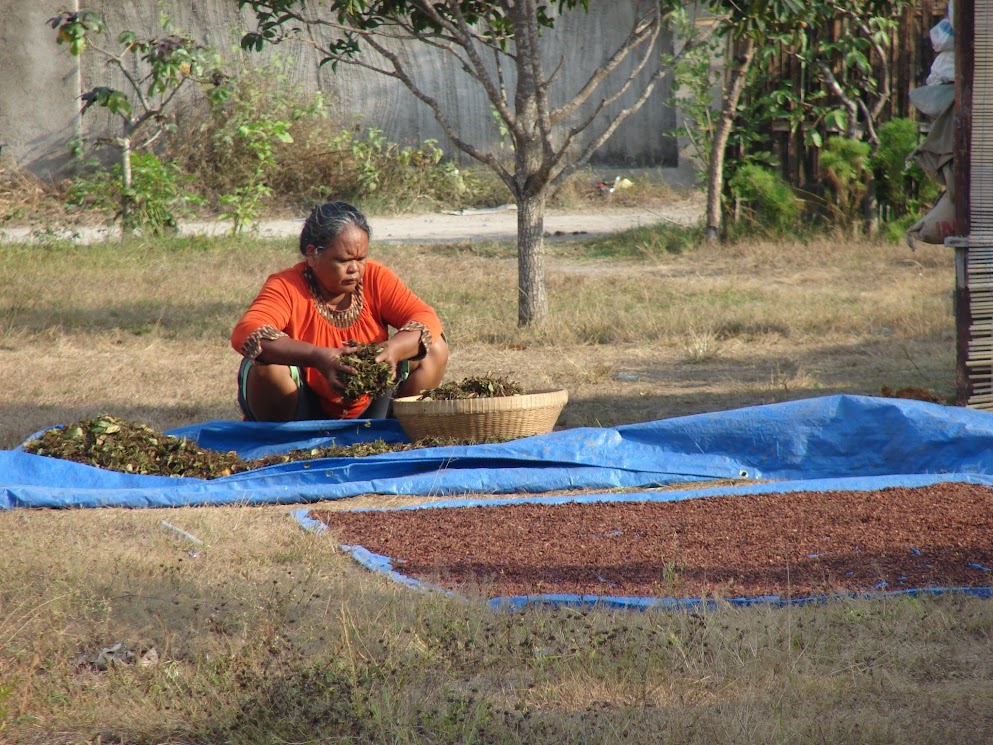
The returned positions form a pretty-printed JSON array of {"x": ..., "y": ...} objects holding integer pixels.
[{"x": 962, "y": 22}]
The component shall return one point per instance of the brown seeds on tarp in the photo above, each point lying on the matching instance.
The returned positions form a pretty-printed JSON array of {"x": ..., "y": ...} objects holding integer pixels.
[{"x": 913, "y": 393}]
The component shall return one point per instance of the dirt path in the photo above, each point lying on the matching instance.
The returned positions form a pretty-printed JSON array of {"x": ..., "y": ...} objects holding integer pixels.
[{"x": 499, "y": 223}]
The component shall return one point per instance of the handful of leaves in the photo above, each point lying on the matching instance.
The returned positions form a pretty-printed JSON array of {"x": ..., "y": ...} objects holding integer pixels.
[
  {"x": 371, "y": 377},
  {"x": 484, "y": 387}
]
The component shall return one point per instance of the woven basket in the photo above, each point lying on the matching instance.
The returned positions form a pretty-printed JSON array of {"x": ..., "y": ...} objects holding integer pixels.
[{"x": 505, "y": 417}]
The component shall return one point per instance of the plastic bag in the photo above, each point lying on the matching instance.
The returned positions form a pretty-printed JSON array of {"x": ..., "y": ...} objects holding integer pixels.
[
  {"x": 943, "y": 69},
  {"x": 931, "y": 100},
  {"x": 942, "y": 36},
  {"x": 936, "y": 225},
  {"x": 939, "y": 222}
]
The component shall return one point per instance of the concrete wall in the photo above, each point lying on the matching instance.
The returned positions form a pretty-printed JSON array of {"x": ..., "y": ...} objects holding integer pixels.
[
  {"x": 38, "y": 88},
  {"x": 41, "y": 84}
]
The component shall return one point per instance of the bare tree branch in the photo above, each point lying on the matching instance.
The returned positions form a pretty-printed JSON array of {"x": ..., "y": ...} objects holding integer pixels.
[
  {"x": 599, "y": 140},
  {"x": 529, "y": 25},
  {"x": 400, "y": 73},
  {"x": 494, "y": 92},
  {"x": 848, "y": 103},
  {"x": 641, "y": 31},
  {"x": 594, "y": 144}
]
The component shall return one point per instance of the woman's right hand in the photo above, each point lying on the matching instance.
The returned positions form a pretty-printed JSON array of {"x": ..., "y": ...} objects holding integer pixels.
[{"x": 327, "y": 360}]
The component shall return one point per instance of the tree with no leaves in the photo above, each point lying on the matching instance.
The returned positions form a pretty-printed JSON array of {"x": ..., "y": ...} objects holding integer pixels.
[{"x": 499, "y": 46}]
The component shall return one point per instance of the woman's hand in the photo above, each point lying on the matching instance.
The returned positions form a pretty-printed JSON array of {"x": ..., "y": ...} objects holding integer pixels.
[
  {"x": 327, "y": 361},
  {"x": 403, "y": 345}
]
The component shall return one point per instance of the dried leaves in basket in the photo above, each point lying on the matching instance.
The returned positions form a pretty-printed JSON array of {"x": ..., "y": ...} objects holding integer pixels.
[
  {"x": 372, "y": 378},
  {"x": 484, "y": 387},
  {"x": 119, "y": 445}
]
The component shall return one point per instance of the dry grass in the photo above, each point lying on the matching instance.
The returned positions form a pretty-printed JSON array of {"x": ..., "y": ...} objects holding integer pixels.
[
  {"x": 265, "y": 633},
  {"x": 266, "y": 619},
  {"x": 140, "y": 331}
]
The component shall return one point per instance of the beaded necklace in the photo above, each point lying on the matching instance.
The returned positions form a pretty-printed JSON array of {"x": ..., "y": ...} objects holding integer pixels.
[{"x": 341, "y": 319}]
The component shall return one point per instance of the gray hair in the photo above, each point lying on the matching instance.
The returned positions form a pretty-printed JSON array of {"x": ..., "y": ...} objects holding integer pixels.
[{"x": 327, "y": 221}]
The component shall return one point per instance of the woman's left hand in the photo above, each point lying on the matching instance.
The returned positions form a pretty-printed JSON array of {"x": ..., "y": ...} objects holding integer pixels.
[{"x": 403, "y": 345}]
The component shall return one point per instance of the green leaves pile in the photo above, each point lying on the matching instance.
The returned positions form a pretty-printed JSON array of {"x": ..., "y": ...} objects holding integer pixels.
[{"x": 119, "y": 445}]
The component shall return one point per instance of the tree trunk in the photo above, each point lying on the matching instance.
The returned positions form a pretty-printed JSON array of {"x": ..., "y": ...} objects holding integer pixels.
[
  {"x": 733, "y": 88},
  {"x": 871, "y": 208},
  {"x": 126, "y": 181},
  {"x": 532, "y": 296}
]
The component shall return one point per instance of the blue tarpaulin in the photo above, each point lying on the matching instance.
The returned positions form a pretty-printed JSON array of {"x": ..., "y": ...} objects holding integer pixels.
[
  {"x": 821, "y": 444},
  {"x": 833, "y": 442}
]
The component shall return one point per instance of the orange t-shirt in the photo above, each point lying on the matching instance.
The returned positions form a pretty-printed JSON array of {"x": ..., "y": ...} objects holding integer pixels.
[{"x": 285, "y": 303}]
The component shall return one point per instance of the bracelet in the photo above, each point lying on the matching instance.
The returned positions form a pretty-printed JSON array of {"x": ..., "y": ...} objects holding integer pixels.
[
  {"x": 425, "y": 341},
  {"x": 252, "y": 347}
]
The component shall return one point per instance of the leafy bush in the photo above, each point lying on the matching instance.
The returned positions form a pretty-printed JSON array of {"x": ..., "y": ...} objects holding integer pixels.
[
  {"x": 364, "y": 167},
  {"x": 271, "y": 143},
  {"x": 156, "y": 199},
  {"x": 845, "y": 161},
  {"x": 765, "y": 199},
  {"x": 897, "y": 139},
  {"x": 232, "y": 145},
  {"x": 904, "y": 190}
]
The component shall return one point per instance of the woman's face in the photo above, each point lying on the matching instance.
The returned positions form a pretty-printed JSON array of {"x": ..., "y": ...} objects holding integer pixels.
[{"x": 339, "y": 267}]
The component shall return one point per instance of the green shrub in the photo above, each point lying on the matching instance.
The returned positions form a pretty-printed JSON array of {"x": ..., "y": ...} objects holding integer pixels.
[
  {"x": 271, "y": 143},
  {"x": 157, "y": 199},
  {"x": 765, "y": 199},
  {"x": 904, "y": 191},
  {"x": 845, "y": 161},
  {"x": 897, "y": 139}
]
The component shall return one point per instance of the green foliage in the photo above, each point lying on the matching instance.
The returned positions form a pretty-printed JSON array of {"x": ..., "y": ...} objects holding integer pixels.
[
  {"x": 845, "y": 161},
  {"x": 831, "y": 76},
  {"x": 157, "y": 198},
  {"x": 695, "y": 77},
  {"x": 236, "y": 148},
  {"x": 758, "y": 19},
  {"x": 6, "y": 690},
  {"x": 75, "y": 28},
  {"x": 903, "y": 188},
  {"x": 378, "y": 160},
  {"x": 259, "y": 137},
  {"x": 765, "y": 199},
  {"x": 155, "y": 69},
  {"x": 897, "y": 139},
  {"x": 364, "y": 166},
  {"x": 271, "y": 144}
]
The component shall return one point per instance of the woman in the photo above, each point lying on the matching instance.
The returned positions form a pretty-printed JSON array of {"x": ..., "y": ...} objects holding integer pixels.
[{"x": 295, "y": 332}]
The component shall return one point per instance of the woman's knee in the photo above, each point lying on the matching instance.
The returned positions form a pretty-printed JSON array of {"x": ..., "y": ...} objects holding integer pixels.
[
  {"x": 272, "y": 393},
  {"x": 433, "y": 366},
  {"x": 438, "y": 354}
]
